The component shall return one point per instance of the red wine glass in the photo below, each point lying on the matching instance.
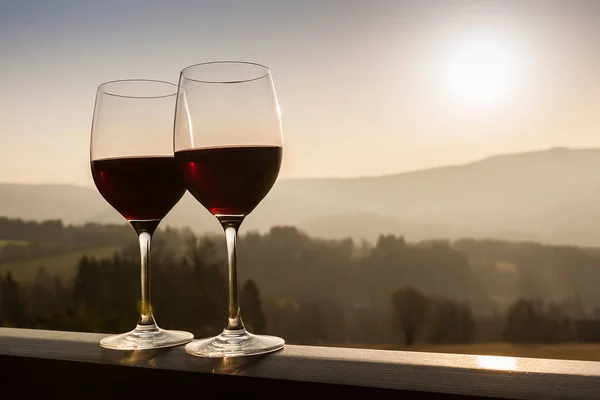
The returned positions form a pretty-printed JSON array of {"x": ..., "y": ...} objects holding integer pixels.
[
  {"x": 134, "y": 170},
  {"x": 228, "y": 145}
]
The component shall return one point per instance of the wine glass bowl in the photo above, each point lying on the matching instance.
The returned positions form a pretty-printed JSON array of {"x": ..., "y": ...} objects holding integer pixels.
[
  {"x": 228, "y": 144},
  {"x": 133, "y": 168}
]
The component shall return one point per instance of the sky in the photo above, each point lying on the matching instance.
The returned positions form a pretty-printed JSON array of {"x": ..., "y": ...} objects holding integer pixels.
[{"x": 365, "y": 87}]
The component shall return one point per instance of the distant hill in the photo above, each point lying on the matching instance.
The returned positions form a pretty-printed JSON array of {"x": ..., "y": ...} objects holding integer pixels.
[
  {"x": 72, "y": 204},
  {"x": 550, "y": 196}
]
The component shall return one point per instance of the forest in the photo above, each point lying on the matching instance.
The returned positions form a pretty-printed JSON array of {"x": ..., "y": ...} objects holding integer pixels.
[{"x": 390, "y": 294}]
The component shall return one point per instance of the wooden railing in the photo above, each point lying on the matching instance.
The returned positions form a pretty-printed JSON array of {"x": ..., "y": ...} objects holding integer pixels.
[{"x": 69, "y": 364}]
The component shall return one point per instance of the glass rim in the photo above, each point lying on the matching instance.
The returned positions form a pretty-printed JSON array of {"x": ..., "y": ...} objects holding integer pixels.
[
  {"x": 266, "y": 73},
  {"x": 102, "y": 88}
]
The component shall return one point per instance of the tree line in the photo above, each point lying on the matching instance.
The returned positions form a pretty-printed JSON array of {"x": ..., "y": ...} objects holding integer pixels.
[
  {"x": 30, "y": 239},
  {"x": 315, "y": 291}
]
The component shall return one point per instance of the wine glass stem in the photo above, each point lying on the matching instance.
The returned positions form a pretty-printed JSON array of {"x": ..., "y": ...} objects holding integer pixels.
[
  {"x": 234, "y": 320},
  {"x": 146, "y": 317}
]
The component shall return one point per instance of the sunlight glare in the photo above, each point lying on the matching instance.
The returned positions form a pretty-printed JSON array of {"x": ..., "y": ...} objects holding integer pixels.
[
  {"x": 478, "y": 72},
  {"x": 497, "y": 362}
]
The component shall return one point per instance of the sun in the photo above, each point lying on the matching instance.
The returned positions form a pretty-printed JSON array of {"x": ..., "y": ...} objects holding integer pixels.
[{"x": 477, "y": 72}]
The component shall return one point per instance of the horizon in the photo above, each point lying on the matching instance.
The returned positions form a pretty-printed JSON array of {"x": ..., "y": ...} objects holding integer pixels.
[
  {"x": 462, "y": 164},
  {"x": 452, "y": 83}
]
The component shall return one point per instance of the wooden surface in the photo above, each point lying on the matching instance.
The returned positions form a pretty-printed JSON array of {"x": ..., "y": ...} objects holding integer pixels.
[{"x": 46, "y": 354}]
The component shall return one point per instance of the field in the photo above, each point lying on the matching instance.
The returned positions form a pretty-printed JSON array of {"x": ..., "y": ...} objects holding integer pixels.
[
  {"x": 60, "y": 264},
  {"x": 15, "y": 242},
  {"x": 562, "y": 351}
]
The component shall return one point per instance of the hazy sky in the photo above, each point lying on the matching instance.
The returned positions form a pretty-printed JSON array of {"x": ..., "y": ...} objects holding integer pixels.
[{"x": 365, "y": 87}]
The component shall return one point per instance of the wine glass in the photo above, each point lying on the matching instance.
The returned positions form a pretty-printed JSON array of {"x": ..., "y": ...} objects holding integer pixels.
[
  {"x": 228, "y": 145},
  {"x": 134, "y": 170}
]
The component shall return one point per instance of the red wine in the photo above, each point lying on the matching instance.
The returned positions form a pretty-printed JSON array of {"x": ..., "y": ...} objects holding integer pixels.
[
  {"x": 140, "y": 188},
  {"x": 230, "y": 180}
]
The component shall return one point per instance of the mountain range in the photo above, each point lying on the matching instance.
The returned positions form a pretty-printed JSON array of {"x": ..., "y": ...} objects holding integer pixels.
[{"x": 550, "y": 196}]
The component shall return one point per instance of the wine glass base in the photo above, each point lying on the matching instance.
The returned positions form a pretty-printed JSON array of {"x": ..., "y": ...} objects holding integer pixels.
[
  {"x": 238, "y": 343},
  {"x": 145, "y": 338}
]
